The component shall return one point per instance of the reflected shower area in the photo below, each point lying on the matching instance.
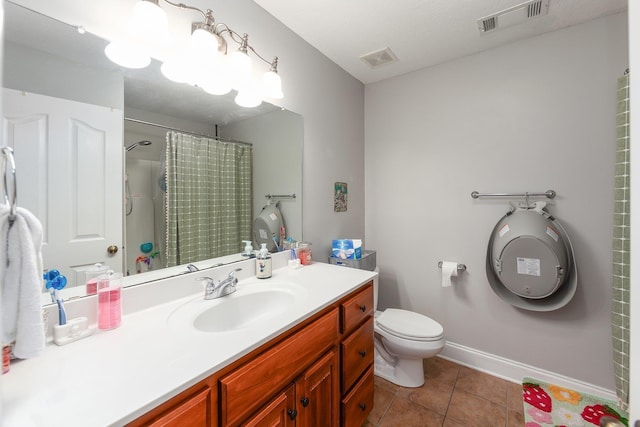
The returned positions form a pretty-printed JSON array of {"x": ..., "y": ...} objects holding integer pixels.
[{"x": 143, "y": 204}]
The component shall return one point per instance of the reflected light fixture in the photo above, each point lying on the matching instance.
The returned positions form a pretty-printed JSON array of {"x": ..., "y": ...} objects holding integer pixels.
[
  {"x": 203, "y": 61},
  {"x": 146, "y": 27}
]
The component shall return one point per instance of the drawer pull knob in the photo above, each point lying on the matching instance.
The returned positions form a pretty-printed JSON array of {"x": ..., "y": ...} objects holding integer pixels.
[
  {"x": 363, "y": 308},
  {"x": 292, "y": 413},
  {"x": 304, "y": 401},
  {"x": 362, "y": 406},
  {"x": 362, "y": 353}
]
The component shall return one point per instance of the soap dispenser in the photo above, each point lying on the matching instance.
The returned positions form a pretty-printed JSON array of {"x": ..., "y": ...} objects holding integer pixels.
[
  {"x": 248, "y": 249},
  {"x": 263, "y": 263}
]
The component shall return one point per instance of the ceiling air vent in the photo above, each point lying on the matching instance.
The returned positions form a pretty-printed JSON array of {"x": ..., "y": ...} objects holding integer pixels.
[
  {"x": 513, "y": 15},
  {"x": 379, "y": 58},
  {"x": 488, "y": 24}
]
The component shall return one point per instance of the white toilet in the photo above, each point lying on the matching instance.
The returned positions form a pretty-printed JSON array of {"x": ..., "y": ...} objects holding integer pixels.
[{"x": 402, "y": 339}]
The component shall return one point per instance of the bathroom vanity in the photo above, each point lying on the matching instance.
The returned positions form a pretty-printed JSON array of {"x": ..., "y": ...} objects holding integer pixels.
[
  {"x": 318, "y": 373},
  {"x": 308, "y": 364}
]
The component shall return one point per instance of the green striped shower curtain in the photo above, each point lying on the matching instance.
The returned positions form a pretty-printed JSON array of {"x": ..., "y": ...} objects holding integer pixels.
[
  {"x": 208, "y": 197},
  {"x": 621, "y": 245}
]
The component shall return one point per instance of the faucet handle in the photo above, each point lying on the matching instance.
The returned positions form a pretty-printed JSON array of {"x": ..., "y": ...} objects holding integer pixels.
[
  {"x": 209, "y": 286},
  {"x": 233, "y": 272}
]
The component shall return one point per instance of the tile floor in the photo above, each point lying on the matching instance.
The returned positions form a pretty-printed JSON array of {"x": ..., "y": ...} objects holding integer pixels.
[{"x": 452, "y": 396}]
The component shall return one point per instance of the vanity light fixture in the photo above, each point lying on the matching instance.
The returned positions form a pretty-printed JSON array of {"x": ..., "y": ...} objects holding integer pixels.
[
  {"x": 147, "y": 26},
  {"x": 204, "y": 60}
]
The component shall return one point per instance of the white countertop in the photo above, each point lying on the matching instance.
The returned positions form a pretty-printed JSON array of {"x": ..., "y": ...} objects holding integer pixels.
[{"x": 113, "y": 377}]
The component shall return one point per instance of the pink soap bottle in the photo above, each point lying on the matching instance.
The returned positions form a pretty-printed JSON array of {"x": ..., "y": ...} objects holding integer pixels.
[
  {"x": 109, "y": 300},
  {"x": 91, "y": 277}
]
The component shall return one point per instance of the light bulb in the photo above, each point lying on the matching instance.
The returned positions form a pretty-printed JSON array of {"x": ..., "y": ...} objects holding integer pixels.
[
  {"x": 216, "y": 78},
  {"x": 149, "y": 21},
  {"x": 248, "y": 98},
  {"x": 203, "y": 46},
  {"x": 239, "y": 69},
  {"x": 175, "y": 70},
  {"x": 127, "y": 54},
  {"x": 216, "y": 85},
  {"x": 272, "y": 85}
]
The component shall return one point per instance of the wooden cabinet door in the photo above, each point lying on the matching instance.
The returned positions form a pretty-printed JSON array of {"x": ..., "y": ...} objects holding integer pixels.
[
  {"x": 280, "y": 412},
  {"x": 317, "y": 393},
  {"x": 250, "y": 386}
]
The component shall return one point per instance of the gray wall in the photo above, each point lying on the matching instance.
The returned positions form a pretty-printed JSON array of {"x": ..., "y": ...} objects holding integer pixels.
[
  {"x": 277, "y": 139},
  {"x": 534, "y": 115},
  {"x": 34, "y": 71}
]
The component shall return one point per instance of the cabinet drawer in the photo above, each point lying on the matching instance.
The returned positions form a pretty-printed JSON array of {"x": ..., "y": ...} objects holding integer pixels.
[
  {"x": 357, "y": 405},
  {"x": 252, "y": 384},
  {"x": 193, "y": 412},
  {"x": 356, "y": 308},
  {"x": 357, "y": 354}
]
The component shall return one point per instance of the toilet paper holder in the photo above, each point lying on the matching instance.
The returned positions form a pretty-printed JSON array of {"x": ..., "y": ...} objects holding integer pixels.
[{"x": 461, "y": 267}]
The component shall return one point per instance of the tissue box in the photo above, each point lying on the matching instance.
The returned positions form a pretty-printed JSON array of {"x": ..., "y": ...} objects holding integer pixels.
[{"x": 347, "y": 248}]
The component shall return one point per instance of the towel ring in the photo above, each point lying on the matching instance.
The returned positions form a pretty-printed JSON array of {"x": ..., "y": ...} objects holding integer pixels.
[{"x": 10, "y": 163}]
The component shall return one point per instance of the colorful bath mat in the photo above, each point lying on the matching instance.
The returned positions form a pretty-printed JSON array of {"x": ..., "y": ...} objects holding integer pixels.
[{"x": 552, "y": 405}]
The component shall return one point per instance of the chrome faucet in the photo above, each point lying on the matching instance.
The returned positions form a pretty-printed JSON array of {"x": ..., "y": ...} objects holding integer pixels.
[
  {"x": 191, "y": 268},
  {"x": 217, "y": 289}
]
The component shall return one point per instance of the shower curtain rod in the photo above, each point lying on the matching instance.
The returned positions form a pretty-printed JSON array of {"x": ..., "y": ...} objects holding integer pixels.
[{"x": 232, "y": 141}]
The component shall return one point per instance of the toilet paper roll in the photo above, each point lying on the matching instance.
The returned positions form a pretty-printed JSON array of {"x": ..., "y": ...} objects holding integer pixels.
[{"x": 449, "y": 270}]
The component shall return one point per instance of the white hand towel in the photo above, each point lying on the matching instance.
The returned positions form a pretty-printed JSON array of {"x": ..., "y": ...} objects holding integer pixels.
[{"x": 21, "y": 282}]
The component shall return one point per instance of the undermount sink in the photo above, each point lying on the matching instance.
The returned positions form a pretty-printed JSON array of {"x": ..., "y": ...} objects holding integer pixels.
[{"x": 251, "y": 304}]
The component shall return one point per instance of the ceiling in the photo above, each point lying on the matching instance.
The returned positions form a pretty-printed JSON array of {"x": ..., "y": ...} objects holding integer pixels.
[{"x": 421, "y": 33}]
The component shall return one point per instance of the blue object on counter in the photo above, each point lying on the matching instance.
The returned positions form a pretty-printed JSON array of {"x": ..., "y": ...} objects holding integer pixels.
[
  {"x": 56, "y": 282},
  {"x": 145, "y": 248}
]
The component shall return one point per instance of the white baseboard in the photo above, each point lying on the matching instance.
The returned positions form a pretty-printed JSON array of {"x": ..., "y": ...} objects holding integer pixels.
[{"x": 513, "y": 371}]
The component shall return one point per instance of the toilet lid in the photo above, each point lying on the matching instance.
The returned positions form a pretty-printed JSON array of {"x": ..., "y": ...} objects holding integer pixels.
[{"x": 409, "y": 324}]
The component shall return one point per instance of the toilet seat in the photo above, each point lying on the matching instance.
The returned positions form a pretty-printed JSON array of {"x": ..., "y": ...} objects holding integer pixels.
[{"x": 409, "y": 325}]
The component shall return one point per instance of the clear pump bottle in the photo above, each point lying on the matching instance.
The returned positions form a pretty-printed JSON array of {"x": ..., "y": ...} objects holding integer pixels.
[
  {"x": 263, "y": 263},
  {"x": 248, "y": 249}
]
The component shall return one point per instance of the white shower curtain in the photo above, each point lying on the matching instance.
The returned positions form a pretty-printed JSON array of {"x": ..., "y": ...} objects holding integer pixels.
[{"x": 208, "y": 197}]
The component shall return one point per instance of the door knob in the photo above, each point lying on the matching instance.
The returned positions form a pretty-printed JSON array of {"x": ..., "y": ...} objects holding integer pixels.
[{"x": 112, "y": 250}]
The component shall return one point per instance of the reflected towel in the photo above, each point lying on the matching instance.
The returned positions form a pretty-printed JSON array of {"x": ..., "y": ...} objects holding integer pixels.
[{"x": 21, "y": 282}]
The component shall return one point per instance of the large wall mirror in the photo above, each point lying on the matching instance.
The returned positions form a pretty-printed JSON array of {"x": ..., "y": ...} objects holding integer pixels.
[{"x": 108, "y": 178}]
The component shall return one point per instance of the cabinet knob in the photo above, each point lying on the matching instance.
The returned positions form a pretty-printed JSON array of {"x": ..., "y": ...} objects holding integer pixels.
[
  {"x": 363, "y": 308},
  {"x": 292, "y": 413},
  {"x": 362, "y": 353},
  {"x": 362, "y": 406},
  {"x": 304, "y": 401}
]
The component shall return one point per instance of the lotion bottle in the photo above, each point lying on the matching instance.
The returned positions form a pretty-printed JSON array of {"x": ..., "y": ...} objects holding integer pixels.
[{"x": 263, "y": 263}]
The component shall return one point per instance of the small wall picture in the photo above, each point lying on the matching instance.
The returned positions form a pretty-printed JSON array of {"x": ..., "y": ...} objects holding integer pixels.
[{"x": 340, "y": 197}]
